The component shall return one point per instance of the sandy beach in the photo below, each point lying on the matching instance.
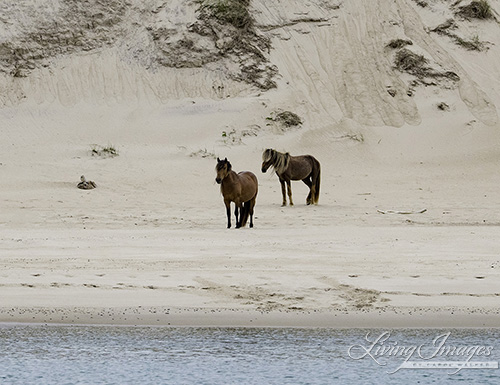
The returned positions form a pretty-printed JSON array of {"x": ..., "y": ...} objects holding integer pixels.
[{"x": 406, "y": 232}]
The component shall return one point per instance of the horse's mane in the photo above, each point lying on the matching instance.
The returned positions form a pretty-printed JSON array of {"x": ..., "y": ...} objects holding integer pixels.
[
  {"x": 221, "y": 163},
  {"x": 278, "y": 160}
]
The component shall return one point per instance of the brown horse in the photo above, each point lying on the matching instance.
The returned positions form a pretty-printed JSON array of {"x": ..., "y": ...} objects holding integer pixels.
[
  {"x": 239, "y": 188},
  {"x": 303, "y": 167}
]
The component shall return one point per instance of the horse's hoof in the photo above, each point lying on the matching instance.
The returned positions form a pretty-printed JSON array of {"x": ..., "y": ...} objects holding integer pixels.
[{"x": 251, "y": 225}]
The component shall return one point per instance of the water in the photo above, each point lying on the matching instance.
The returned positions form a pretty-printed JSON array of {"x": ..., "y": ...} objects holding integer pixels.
[{"x": 152, "y": 355}]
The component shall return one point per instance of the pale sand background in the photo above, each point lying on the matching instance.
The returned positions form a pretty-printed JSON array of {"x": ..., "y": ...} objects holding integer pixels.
[{"x": 149, "y": 245}]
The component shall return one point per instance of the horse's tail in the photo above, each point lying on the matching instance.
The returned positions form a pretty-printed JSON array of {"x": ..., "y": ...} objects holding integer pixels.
[
  {"x": 244, "y": 214},
  {"x": 316, "y": 180}
]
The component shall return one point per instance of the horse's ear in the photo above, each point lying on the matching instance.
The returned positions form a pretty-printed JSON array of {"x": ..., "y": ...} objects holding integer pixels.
[
  {"x": 225, "y": 159},
  {"x": 218, "y": 160}
]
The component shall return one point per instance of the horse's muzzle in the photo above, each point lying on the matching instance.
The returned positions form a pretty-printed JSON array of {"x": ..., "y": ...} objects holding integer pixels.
[{"x": 218, "y": 180}]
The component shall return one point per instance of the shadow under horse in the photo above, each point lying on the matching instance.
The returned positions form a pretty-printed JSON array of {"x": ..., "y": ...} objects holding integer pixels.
[
  {"x": 303, "y": 167},
  {"x": 239, "y": 188}
]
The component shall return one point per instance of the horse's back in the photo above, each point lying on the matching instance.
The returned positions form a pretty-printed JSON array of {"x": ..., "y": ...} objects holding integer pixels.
[
  {"x": 304, "y": 159},
  {"x": 248, "y": 177},
  {"x": 249, "y": 184},
  {"x": 300, "y": 167}
]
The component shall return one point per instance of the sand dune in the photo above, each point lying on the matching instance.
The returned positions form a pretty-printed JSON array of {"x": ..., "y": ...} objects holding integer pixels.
[{"x": 149, "y": 244}]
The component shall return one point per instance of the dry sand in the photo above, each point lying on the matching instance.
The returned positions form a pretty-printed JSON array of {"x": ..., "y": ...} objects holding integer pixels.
[{"x": 149, "y": 244}]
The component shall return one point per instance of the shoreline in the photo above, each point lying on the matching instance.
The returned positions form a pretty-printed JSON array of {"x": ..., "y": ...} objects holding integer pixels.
[
  {"x": 114, "y": 277},
  {"x": 393, "y": 318}
]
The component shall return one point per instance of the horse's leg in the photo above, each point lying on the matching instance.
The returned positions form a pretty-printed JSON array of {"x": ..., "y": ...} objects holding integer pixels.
[
  {"x": 240, "y": 207},
  {"x": 228, "y": 212},
  {"x": 308, "y": 182},
  {"x": 283, "y": 191},
  {"x": 236, "y": 213},
  {"x": 313, "y": 194},
  {"x": 252, "y": 205},
  {"x": 289, "y": 185}
]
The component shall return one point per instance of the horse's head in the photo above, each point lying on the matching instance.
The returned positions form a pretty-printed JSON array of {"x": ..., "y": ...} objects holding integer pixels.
[
  {"x": 267, "y": 159},
  {"x": 223, "y": 167}
]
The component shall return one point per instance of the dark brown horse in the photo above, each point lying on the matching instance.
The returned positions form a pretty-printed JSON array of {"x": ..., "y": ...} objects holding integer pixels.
[
  {"x": 239, "y": 188},
  {"x": 303, "y": 167}
]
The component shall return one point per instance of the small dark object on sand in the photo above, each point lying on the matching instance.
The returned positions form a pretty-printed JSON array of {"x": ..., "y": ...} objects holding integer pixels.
[{"x": 86, "y": 184}]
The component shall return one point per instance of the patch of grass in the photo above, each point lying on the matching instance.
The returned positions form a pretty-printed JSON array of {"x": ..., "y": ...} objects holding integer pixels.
[
  {"x": 480, "y": 9},
  {"x": 443, "y": 106},
  {"x": 472, "y": 45},
  {"x": 76, "y": 26},
  {"x": 288, "y": 119},
  {"x": 232, "y": 28},
  {"x": 283, "y": 121},
  {"x": 103, "y": 151},
  {"x": 408, "y": 61},
  {"x": 234, "y": 12},
  {"x": 444, "y": 28},
  {"x": 203, "y": 154},
  {"x": 421, "y": 3},
  {"x": 253, "y": 74},
  {"x": 398, "y": 43},
  {"x": 356, "y": 137},
  {"x": 414, "y": 64},
  {"x": 231, "y": 137}
]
